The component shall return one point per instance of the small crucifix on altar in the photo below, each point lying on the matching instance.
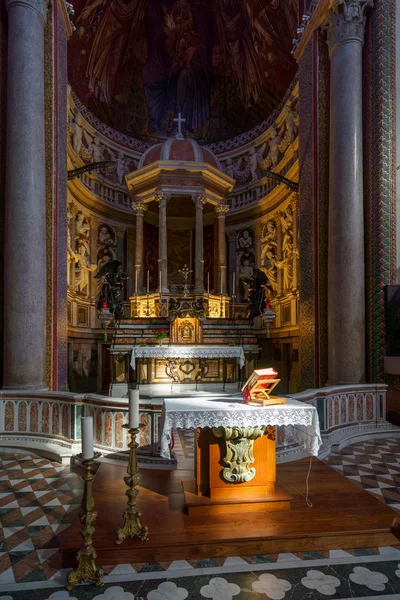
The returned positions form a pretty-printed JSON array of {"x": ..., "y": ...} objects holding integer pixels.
[{"x": 179, "y": 120}]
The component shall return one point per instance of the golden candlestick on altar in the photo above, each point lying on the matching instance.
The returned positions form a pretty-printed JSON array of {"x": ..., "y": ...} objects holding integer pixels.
[
  {"x": 87, "y": 569},
  {"x": 132, "y": 527}
]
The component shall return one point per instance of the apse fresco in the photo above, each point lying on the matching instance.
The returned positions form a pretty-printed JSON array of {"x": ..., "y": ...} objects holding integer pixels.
[{"x": 224, "y": 64}]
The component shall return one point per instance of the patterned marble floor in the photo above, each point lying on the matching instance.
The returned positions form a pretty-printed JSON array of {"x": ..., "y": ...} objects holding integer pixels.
[{"x": 39, "y": 498}]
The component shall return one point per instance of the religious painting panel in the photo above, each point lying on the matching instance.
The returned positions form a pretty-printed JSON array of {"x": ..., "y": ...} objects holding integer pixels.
[
  {"x": 45, "y": 422},
  {"x": 136, "y": 67},
  {"x": 55, "y": 419},
  {"x": 34, "y": 417},
  {"x": 22, "y": 414},
  {"x": 65, "y": 420}
]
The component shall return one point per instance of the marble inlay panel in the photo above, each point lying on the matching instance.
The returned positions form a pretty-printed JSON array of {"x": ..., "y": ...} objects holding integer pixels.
[
  {"x": 9, "y": 416},
  {"x": 22, "y": 413}
]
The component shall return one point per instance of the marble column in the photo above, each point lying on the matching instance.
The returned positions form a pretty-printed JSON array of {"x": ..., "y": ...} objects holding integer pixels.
[
  {"x": 139, "y": 208},
  {"x": 25, "y": 210},
  {"x": 162, "y": 199},
  {"x": 221, "y": 210},
  {"x": 200, "y": 201},
  {"x": 346, "y": 284}
]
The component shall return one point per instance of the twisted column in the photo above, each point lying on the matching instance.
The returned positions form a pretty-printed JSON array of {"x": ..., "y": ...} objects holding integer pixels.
[
  {"x": 25, "y": 211},
  {"x": 139, "y": 208},
  {"x": 162, "y": 199},
  {"x": 346, "y": 285},
  {"x": 221, "y": 211},
  {"x": 199, "y": 201}
]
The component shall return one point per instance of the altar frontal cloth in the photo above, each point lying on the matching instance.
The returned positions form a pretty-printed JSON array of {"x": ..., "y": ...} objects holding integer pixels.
[{"x": 299, "y": 419}]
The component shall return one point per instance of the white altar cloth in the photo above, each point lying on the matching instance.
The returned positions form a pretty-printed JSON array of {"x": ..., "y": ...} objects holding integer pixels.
[
  {"x": 300, "y": 420},
  {"x": 187, "y": 352}
]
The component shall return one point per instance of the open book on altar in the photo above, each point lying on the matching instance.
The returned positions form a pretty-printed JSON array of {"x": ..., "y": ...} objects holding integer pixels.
[{"x": 259, "y": 386}]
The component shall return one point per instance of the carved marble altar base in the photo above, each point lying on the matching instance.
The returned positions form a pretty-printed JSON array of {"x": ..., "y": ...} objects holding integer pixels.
[
  {"x": 235, "y": 472},
  {"x": 185, "y": 370}
]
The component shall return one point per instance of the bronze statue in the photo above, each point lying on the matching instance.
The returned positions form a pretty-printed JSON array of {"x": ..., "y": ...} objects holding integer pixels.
[{"x": 111, "y": 288}]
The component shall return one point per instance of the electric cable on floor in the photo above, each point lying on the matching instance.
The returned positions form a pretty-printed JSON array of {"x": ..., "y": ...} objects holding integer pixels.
[{"x": 308, "y": 502}]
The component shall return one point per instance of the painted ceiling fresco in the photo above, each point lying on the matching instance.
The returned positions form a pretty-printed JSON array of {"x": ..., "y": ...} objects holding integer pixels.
[{"x": 224, "y": 64}]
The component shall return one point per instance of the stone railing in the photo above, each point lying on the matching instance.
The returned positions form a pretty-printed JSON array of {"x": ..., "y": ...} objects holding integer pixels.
[
  {"x": 53, "y": 419},
  {"x": 346, "y": 413}
]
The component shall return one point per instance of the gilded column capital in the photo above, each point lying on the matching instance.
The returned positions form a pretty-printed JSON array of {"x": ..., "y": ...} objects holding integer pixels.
[
  {"x": 221, "y": 209},
  {"x": 346, "y": 22},
  {"x": 199, "y": 200},
  {"x": 39, "y": 6},
  {"x": 161, "y": 198},
  {"x": 139, "y": 208}
]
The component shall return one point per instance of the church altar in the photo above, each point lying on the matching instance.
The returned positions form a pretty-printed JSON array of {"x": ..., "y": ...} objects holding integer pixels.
[
  {"x": 300, "y": 419},
  {"x": 187, "y": 363},
  {"x": 235, "y": 467},
  {"x": 167, "y": 352}
]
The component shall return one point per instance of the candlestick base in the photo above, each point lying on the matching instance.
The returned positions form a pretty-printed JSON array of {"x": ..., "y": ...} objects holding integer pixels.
[
  {"x": 87, "y": 569},
  {"x": 132, "y": 527}
]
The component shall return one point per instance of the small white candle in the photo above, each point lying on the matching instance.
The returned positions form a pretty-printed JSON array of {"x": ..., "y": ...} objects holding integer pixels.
[
  {"x": 208, "y": 283},
  {"x": 133, "y": 409},
  {"x": 136, "y": 276},
  {"x": 87, "y": 437},
  {"x": 148, "y": 281},
  {"x": 160, "y": 283}
]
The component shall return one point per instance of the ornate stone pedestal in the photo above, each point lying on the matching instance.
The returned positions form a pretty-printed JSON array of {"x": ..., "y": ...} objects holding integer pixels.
[{"x": 235, "y": 472}]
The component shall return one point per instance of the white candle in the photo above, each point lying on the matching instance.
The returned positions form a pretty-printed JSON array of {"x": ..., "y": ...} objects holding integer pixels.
[
  {"x": 136, "y": 276},
  {"x": 208, "y": 283},
  {"x": 148, "y": 281},
  {"x": 133, "y": 409},
  {"x": 87, "y": 437},
  {"x": 160, "y": 283}
]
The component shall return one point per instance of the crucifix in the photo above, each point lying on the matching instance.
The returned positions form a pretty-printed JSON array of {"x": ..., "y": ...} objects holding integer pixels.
[{"x": 179, "y": 120}]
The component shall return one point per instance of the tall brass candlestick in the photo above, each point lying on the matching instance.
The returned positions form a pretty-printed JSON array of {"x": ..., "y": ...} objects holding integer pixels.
[
  {"x": 86, "y": 556},
  {"x": 132, "y": 527}
]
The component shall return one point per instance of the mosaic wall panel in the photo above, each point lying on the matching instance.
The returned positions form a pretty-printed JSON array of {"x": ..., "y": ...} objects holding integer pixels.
[
  {"x": 379, "y": 175},
  {"x": 3, "y": 99},
  {"x": 306, "y": 220},
  {"x": 56, "y": 198}
]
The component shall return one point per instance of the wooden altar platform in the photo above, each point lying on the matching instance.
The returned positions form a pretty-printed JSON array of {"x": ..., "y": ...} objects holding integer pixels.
[{"x": 343, "y": 516}]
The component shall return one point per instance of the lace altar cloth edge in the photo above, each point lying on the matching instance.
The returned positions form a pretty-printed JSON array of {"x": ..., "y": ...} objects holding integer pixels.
[
  {"x": 300, "y": 421},
  {"x": 187, "y": 352}
]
